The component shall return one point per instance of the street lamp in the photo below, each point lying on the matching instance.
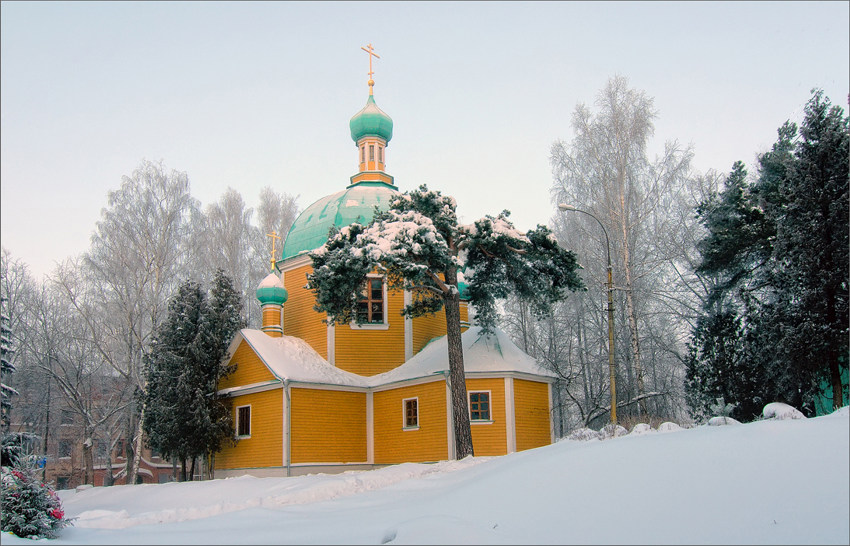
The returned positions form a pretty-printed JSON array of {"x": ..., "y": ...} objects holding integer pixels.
[{"x": 566, "y": 207}]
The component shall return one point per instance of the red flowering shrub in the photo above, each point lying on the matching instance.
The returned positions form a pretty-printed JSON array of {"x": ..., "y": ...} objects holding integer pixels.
[{"x": 29, "y": 507}]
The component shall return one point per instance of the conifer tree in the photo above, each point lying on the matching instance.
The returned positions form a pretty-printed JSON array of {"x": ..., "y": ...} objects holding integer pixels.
[
  {"x": 778, "y": 246},
  {"x": 420, "y": 247},
  {"x": 171, "y": 376},
  {"x": 7, "y": 368},
  {"x": 186, "y": 417}
]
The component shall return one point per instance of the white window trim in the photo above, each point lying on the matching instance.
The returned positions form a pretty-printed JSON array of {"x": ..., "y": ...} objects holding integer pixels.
[
  {"x": 385, "y": 325},
  {"x": 469, "y": 405},
  {"x": 404, "y": 414},
  {"x": 250, "y": 428}
]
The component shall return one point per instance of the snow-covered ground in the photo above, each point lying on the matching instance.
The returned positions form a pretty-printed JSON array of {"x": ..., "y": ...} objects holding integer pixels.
[{"x": 776, "y": 481}]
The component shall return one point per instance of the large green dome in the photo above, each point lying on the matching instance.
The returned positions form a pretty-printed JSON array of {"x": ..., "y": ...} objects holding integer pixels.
[
  {"x": 371, "y": 121},
  {"x": 354, "y": 204}
]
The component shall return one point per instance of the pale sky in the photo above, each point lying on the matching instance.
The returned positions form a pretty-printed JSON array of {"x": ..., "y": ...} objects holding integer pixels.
[{"x": 254, "y": 94}]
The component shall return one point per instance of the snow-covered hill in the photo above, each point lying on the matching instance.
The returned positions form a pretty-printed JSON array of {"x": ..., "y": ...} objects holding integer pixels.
[{"x": 776, "y": 481}]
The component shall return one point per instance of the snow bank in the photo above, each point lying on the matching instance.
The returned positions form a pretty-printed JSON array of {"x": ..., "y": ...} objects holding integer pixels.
[
  {"x": 583, "y": 434},
  {"x": 721, "y": 420},
  {"x": 778, "y": 410}
]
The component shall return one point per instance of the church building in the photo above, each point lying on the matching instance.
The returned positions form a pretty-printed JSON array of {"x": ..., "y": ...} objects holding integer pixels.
[{"x": 310, "y": 397}]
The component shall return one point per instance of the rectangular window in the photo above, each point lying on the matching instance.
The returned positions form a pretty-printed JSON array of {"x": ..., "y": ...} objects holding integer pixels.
[
  {"x": 243, "y": 421},
  {"x": 411, "y": 413},
  {"x": 100, "y": 450},
  {"x": 64, "y": 448},
  {"x": 371, "y": 152},
  {"x": 380, "y": 154},
  {"x": 363, "y": 154},
  {"x": 479, "y": 406},
  {"x": 370, "y": 308}
]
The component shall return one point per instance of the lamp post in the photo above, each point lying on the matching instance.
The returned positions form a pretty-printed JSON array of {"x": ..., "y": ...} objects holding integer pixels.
[{"x": 566, "y": 207}]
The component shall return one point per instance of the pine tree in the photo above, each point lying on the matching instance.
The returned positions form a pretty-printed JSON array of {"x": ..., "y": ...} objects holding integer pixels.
[
  {"x": 7, "y": 368},
  {"x": 171, "y": 376},
  {"x": 778, "y": 247},
  {"x": 220, "y": 323},
  {"x": 185, "y": 416},
  {"x": 420, "y": 247},
  {"x": 812, "y": 245}
]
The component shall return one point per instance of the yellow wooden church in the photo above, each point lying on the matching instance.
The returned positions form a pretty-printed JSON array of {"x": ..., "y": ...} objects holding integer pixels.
[{"x": 309, "y": 397}]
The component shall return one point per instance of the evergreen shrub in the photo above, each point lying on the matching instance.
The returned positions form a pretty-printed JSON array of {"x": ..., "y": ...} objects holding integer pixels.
[{"x": 30, "y": 508}]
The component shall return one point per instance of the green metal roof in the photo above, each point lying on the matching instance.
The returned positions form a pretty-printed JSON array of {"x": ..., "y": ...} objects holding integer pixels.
[
  {"x": 371, "y": 120},
  {"x": 354, "y": 204}
]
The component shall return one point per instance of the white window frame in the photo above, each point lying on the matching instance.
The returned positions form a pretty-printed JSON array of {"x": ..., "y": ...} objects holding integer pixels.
[
  {"x": 385, "y": 325},
  {"x": 404, "y": 425},
  {"x": 489, "y": 403},
  {"x": 250, "y": 413}
]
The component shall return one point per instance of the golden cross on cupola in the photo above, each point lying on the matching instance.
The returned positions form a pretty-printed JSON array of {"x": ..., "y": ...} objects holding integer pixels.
[
  {"x": 274, "y": 236},
  {"x": 371, "y": 53}
]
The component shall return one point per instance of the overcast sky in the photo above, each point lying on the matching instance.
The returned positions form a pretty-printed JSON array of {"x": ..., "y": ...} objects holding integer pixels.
[{"x": 255, "y": 94}]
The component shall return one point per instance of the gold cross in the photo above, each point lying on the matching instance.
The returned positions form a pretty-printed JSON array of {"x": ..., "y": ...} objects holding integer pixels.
[
  {"x": 371, "y": 53},
  {"x": 274, "y": 236}
]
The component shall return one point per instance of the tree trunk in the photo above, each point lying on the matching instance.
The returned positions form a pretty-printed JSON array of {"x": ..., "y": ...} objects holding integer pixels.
[
  {"x": 457, "y": 377},
  {"x": 182, "y": 469},
  {"x": 630, "y": 303},
  {"x": 88, "y": 460},
  {"x": 137, "y": 447},
  {"x": 107, "y": 476}
]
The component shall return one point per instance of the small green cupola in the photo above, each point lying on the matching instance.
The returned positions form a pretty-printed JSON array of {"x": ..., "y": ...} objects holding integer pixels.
[
  {"x": 371, "y": 121},
  {"x": 272, "y": 296},
  {"x": 271, "y": 291}
]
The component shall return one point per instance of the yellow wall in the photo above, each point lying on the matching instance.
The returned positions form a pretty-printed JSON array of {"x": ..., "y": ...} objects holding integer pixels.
[
  {"x": 428, "y": 327},
  {"x": 299, "y": 317},
  {"x": 249, "y": 368},
  {"x": 368, "y": 352},
  {"x": 531, "y": 401},
  {"x": 328, "y": 426},
  {"x": 490, "y": 439},
  {"x": 265, "y": 445},
  {"x": 429, "y": 442}
]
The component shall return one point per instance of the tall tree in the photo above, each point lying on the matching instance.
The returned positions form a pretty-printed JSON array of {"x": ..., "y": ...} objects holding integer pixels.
[
  {"x": 170, "y": 379},
  {"x": 6, "y": 368},
  {"x": 778, "y": 246},
  {"x": 135, "y": 260},
  {"x": 213, "y": 420},
  {"x": 813, "y": 245},
  {"x": 606, "y": 171},
  {"x": 185, "y": 416},
  {"x": 420, "y": 247}
]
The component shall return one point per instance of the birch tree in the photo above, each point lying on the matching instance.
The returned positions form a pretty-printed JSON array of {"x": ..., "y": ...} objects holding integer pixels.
[
  {"x": 605, "y": 170},
  {"x": 135, "y": 259}
]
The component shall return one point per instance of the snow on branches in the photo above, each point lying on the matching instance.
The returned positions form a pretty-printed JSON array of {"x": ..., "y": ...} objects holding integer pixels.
[{"x": 420, "y": 247}]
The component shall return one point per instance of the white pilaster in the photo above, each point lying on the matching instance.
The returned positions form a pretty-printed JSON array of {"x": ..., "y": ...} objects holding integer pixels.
[
  {"x": 331, "y": 348},
  {"x": 510, "y": 414},
  {"x": 408, "y": 329},
  {"x": 370, "y": 429}
]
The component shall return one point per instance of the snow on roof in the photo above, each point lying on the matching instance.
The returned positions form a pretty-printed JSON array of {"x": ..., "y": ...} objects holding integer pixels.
[
  {"x": 494, "y": 353},
  {"x": 271, "y": 280},
  {"x": 292, "y": 358}
]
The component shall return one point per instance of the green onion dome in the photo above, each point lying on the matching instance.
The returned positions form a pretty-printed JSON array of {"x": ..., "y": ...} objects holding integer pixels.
[
  {"x": 354, "y": 204},
  {"x": 271, "y": 290},
  {"x": 371, "y": 121}
]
